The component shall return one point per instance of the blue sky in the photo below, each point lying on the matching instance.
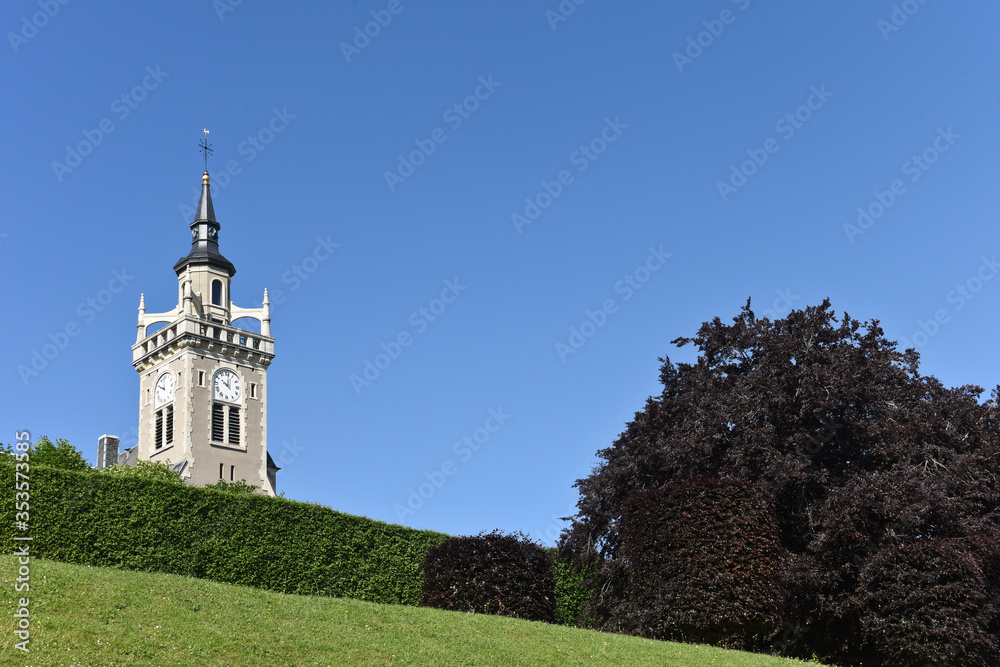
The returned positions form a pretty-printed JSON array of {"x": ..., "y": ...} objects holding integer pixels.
[{"x": 582, "y": 182}]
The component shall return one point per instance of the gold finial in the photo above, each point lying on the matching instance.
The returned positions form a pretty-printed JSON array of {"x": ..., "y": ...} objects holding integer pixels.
[{"x": 204, "y": 178}]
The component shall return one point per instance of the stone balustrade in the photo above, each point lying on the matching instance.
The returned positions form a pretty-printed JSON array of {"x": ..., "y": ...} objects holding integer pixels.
[{"x": 203, "y": 333}]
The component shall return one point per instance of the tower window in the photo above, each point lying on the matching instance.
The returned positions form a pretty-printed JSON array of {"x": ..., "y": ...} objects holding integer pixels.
[
  {"x": 225, "y": 424},
  {"x": 222, "y": 467},
  {"x": 232, "y": 473},
  {"x": 253, "y": 390},
  {"x": 164, "y": 434},
  {"x": 218, "y": 422},
  {"x": 169, "y": 430},
  {"x": 234, "y": 426},
  {"x": 159, "y": 429},
  {"x": 216, "y": 292},
  {"x": 201, "y": 378}
]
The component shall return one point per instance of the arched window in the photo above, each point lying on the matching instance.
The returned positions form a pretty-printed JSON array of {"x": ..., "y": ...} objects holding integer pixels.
[{"x": 216, "y": 292}]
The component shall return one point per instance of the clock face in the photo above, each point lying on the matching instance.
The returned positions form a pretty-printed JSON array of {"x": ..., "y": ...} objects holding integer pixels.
[
  {"x": 227, "y": 386},
  {"x": 164, "y": 389}
]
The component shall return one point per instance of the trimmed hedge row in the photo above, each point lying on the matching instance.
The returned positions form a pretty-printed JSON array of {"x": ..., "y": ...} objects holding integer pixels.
[
  {"x": 503, "y": 575},
  {"x": 272, "y": 543}
]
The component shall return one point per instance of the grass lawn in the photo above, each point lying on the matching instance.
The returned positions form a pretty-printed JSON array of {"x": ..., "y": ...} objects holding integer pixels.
[{"x": 98, "y": 616}]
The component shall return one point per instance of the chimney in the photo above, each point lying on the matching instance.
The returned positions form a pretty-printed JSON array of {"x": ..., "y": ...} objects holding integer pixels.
[{"x": 107, "y": 451}]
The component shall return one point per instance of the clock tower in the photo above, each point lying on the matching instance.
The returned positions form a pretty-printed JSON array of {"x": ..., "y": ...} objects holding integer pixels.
[{"x": 203, "y": 380}]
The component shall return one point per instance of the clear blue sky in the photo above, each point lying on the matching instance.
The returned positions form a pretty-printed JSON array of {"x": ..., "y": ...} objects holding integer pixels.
[{"x": 615, "y": 125}]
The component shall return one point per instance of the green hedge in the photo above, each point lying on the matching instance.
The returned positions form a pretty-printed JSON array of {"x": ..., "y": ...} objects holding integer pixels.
[
  {"x": 273, "y": 543},
  {"x": 572, "y": 593}
]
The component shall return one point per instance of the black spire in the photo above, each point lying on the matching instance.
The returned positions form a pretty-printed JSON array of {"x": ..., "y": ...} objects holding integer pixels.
[
  {"x": 205, "y": 212},
  {"x": 205, "y": 236}
]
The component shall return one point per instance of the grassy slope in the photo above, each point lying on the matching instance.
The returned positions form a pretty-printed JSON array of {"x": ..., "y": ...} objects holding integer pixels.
[{"x": 98, "y": 616}]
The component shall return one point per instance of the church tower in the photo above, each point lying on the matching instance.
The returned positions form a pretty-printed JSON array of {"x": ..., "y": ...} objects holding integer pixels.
[{"x": 203, "y": 381}]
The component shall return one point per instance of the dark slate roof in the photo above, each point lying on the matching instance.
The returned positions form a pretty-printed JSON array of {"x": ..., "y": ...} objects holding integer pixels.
[
  {"x": 129, "y": 457},
  {"x": 205, "y": 209},
  {"x": 205, "y": 236},
  {"x": 270, "y": 463}
]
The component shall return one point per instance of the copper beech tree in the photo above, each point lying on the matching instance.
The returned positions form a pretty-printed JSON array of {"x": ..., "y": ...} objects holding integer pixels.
[{"x": 881, "y": 487}]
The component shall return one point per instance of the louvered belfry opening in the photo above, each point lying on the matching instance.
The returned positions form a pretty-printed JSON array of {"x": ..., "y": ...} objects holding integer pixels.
[
  {"x": 218, "y": 422},
  {"x": 234, "y": 426},
  {"x": 169, "y": 426},
  {"x": 159, "y": 429}
]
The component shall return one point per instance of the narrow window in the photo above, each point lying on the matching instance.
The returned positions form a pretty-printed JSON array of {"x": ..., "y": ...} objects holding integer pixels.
[
  {"x": 147, "y": 395},
  {"x": 253, "y": 390},
  {"x": 179, "y": 376},
  {"x": 218, "y": 422},
  {"x": 201, "y": 378},
  {"x": 170, "y": 425},
  {"x": 216, "y": 292},
  {"x": 159, "y": 429},
  {"x": 222, "y": 467},
  {"x": 234, "y": 426},
  {"x": 232, "y": 472}
]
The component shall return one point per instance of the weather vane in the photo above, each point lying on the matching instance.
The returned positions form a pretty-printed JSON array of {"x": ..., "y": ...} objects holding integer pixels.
[{"x": 206, "y": 148}]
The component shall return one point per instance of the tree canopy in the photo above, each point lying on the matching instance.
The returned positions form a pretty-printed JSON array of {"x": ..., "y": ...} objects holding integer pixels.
[
  {"x": 874, "y": 473},
  {"x": 58, "y": 454}
]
